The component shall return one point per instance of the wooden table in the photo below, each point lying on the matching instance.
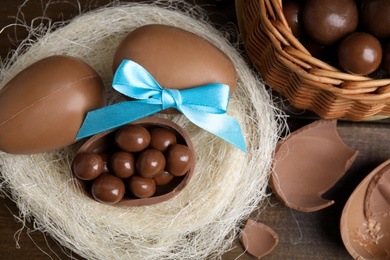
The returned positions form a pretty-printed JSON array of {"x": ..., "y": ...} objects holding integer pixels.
[{"x": 302, "y": 235}]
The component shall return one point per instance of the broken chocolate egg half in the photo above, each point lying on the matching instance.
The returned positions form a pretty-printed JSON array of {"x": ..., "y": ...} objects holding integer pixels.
[
  {"x": 120, "y": 183},
  {"x": 365, "y": 220},
  {"x": 308, "y": 163},
  {"x": 258, "y": 239}
]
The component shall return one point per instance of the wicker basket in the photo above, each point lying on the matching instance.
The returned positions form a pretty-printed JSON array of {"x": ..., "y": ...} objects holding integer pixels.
[{"x": 307, "y": 82}]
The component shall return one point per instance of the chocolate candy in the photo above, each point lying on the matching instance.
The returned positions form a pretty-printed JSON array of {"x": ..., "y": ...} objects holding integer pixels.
[
  {"x": 132, "y": 138},
  {"x": 145, "y": 173},
  {"x": 360, "y": 53},
  {"x": 122, "y": 164},
  {"x": 164, "y": 178},
  {"x": 292, "y": 12},
  {"x": 108, "y": 189},
  {"x": 375, "y": 17},
  {"x": 87, "y": 166},
  {"x": 179, "y": 159},
  {"x": 141, "y": 187},
  {"x": 329, "y": 21},
  {"x": 161, "y": 139},
  {"x": 150, "y": 163}
]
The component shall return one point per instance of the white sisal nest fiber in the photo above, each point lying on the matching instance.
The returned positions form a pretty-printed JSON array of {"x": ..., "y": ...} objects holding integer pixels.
[{"x": 203, "y": 220}]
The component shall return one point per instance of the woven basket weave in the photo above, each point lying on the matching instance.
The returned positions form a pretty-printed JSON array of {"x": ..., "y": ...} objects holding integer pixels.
[{"x": 307, "y": 82}]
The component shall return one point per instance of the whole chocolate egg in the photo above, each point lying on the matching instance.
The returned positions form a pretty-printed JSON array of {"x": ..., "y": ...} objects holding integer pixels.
[
  {"x": 329, "y": 21},
  {"x": 360, "y": 53},
  {"x": 176, "y": 58},
  {"x": 292, "y": 11},
  {"x": 375, "y": 16},
  {"x": 43, "y": 107}
]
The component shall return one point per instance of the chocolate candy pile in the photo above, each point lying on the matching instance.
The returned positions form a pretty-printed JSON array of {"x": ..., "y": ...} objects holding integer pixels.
[{"x": 142, "y": 160}]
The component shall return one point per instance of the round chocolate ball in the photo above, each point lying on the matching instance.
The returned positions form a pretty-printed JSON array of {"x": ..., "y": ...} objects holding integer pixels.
[
  {"x": 327, "y": 22},
  {"x": 292, "y": 11},
  {"x": 122, "y": 164},
  {"x": 141, "y": 187},
  {"x": 161, "y": 138},
  {"x": 375, "y": 16},
  {"x": 150, "y": 163},
  {"x": 108, "y": 189},
  {"x": 360, "y": 53},
  {"x": 179, "y": 159},
  {"x": 87, "y": 166},
  {"x": 164, "y": 178},
  {"x": 132, "y": 138}
]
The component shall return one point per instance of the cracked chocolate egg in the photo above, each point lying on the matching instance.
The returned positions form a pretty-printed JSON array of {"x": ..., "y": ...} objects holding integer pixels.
[
  {"x": 143, "y": 173},
  {"x": 365, "y": 220}
]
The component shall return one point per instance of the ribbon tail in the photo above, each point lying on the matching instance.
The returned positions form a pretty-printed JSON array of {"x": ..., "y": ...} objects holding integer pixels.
[
  {"x": 115, "y": 115},
  {"x": 221, "y": 125}
]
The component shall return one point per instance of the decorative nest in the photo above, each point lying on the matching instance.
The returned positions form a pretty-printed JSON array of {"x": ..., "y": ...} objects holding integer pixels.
[
  {"x": 307, "y": 82},
  {"x": 227, "y": 185}
]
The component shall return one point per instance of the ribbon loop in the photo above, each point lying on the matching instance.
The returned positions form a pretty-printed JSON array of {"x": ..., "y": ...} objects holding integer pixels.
[{"x": 205, "y": 106}]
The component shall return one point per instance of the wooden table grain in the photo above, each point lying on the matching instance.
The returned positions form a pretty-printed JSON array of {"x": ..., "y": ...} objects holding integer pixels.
[{"x": 313, "y": 235}]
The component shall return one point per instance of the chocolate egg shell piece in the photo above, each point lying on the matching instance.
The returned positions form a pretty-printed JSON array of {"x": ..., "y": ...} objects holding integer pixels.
[
  {"x": 308, "y": 163},
  {"x": 104, "y": 143},
  {"x": 365, "y": 220},
  {"x": 42, "y": 107},
  {"x": 258, "y": 239}
]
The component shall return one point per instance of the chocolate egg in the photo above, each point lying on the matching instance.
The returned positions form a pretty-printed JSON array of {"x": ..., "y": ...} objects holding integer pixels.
[
  {"x": 360, "y": 53},
  {"x": 375, "y": 17},
  {"x": 108, "y": 189},
  {"x": 141, "y": 187},
  {"x": 87, "y": 166},
  {"x": 292, "y": 11},
  {"x": 150, "y": 163},
  {"x": 329, "y": 21},
  {"x": 176, "y": 58},
  {"x": 161, "y": 138},
  {"x": 132, "y": 138},
  {"x": 179, "y": 158},
  {"x": 43, "y": 107},
  {"x": 122, "y": 164}
]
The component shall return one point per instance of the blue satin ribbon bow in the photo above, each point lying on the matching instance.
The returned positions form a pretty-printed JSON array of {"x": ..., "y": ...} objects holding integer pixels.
[{"x": 205, "y": 105}]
